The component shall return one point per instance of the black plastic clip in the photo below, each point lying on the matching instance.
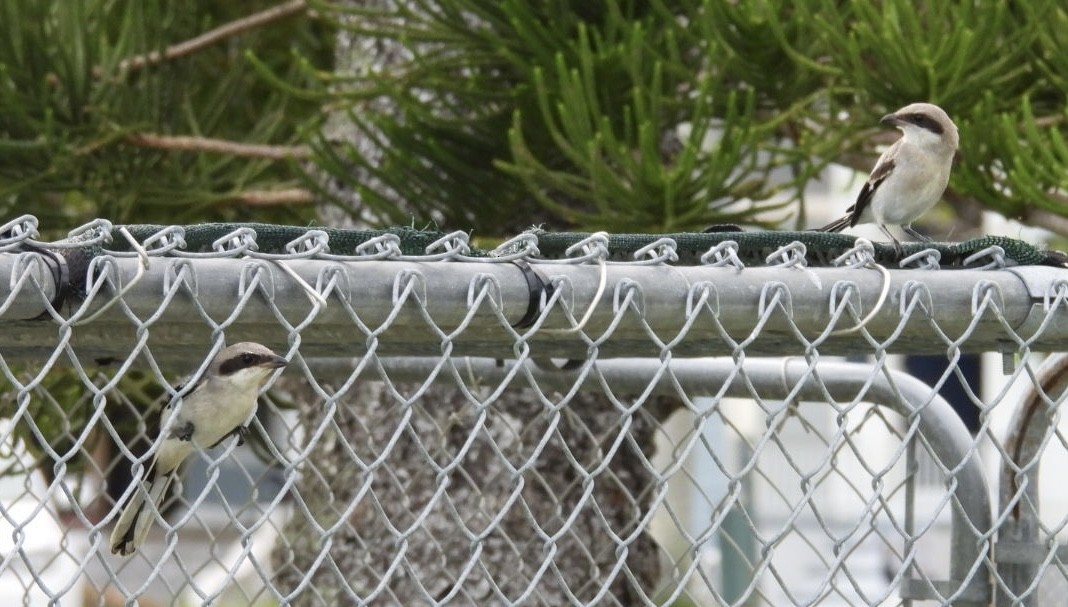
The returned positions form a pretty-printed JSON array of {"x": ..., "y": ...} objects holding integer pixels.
[{"x": 539, "y": 290}]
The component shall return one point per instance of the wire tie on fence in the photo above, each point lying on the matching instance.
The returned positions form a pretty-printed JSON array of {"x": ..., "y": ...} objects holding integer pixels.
[
  {"x": 142, "y": 266},
  {"x": 602, "y": 285},
  {"x": 862, "y": 246},
  {"x": 309, "y": 290},
  {"x": 308, "y": 244},
  {"x": 596, "y": 297},
  {"x": 538, "y": 291},
  {"x": 594, "y": 246}
]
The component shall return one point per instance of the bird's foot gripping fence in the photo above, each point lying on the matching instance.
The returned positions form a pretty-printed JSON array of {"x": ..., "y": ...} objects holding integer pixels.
[{"x": 564, "y": 420}]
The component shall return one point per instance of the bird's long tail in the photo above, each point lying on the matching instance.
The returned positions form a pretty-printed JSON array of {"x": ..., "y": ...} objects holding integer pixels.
[
  {"x": 837, "y": 225},
  {"x": 137, "y": 516}
]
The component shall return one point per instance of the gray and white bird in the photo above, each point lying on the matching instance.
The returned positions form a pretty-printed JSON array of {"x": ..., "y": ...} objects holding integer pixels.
[
  {"x": 218, "y": 406},
  {"x": 911, "y": 174}
]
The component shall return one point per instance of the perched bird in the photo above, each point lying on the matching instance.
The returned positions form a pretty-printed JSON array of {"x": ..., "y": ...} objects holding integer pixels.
[
  {"x": 911, "y": 174},
  {"x": 217, "y": 407}
]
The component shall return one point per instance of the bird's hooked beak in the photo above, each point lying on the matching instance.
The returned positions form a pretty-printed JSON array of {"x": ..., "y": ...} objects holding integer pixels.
[
  {"x": 275, "y": 362},
  {"x": 890, "y": 120}
]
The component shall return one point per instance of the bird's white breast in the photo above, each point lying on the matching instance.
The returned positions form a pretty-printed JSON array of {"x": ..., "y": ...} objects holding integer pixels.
[
  {"x": 916, "y": 184},
  {"x": 216, "y": 408}
]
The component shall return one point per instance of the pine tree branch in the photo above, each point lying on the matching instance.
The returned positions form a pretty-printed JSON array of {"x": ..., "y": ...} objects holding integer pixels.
[
  {"x": 1058, "y": 224},
  {"x": 1031, "y": 216},
  {"x": 218, "y": 34},
  {"x": 220, "y": 146},
  {"x": 268, "y": 198},
  {"x": 1051, "y": 120}
]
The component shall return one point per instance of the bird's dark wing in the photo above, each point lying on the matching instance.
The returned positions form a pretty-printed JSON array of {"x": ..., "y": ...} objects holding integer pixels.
[{"x": 878, "y": 175}]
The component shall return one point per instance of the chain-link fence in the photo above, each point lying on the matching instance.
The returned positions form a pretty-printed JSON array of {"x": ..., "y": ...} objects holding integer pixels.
[{"x": 702, "y": 419}]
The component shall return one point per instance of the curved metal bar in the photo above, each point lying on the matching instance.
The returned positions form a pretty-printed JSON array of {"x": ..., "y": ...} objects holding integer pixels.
[
  {"x": 1021, "y": 553},
  {"x": 951, "y": 443}
]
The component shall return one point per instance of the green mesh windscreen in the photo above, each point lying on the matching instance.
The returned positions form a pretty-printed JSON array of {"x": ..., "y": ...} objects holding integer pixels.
[{"x": 753, "y": 247}]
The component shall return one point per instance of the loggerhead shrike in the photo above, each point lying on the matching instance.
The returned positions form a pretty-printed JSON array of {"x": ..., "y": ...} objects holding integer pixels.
[
  {"x": 217, "y": 407},
  {"x": 911, "y": 174}
]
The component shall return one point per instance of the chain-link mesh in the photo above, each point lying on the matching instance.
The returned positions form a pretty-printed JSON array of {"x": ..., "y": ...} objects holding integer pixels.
[{"x": 469, "y": 427}]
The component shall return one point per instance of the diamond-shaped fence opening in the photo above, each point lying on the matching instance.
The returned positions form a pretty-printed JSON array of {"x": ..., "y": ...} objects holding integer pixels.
[{"x": 569, "y": 419}]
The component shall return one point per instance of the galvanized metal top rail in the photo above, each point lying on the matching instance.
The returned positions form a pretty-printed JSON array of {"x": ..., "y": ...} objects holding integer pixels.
[{"x": 514, "y": 301}]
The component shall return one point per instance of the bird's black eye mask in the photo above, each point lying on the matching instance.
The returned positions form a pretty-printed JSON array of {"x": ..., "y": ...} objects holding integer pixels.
[
  {"x": 924, "y": 122},
  {"x": 241, "y": 361}
]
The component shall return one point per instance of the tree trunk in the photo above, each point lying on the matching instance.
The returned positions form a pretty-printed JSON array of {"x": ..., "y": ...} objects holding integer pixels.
[{"x": 481, "y": 505}]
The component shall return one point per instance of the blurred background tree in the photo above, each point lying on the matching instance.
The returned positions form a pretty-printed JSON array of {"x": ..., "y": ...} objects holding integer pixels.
[
  {"x": 625, "y": 115},
  {"x": 662, "y": 115},
  {"x": 142, "y": 111}
]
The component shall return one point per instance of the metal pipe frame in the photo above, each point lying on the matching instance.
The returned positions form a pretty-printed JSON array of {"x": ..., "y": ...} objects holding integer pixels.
[
  {"x": 700, "y": 310},
  {"x": 972, "y": 524}
]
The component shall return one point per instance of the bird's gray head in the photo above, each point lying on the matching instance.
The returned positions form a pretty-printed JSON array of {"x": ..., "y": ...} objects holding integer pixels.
[
  {"x": 245, "y": 363},
  {"x": 925, "y": 124}
]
